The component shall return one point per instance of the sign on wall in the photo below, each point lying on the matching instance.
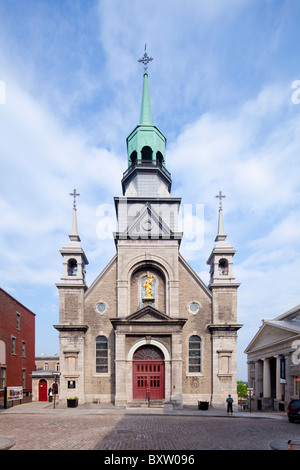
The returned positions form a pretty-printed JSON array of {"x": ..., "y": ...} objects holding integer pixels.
[{"x": 14, "y": 393}]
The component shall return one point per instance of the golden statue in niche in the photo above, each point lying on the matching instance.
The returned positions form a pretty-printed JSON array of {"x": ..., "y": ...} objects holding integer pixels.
[{"x": 148, "y": 285}]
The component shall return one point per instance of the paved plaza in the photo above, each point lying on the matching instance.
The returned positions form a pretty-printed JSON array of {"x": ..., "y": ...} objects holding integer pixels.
[{"x": 89, "y": 427}]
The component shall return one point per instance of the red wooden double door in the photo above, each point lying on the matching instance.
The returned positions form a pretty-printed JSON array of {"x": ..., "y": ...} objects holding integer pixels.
[
  {"x": 148, "y": 373},
  {"x": 43, "y": 390}
]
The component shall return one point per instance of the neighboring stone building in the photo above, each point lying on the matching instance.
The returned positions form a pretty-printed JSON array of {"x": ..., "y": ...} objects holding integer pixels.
[
  {"x": 50, "y": 363},
  {"x": 45, "y": 376},
  {"x": 148, "y": 326},
  {"x": 274, "y": 362}
]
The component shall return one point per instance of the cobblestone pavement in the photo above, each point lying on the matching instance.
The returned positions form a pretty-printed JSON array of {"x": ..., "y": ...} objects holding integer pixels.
[{"x": 61, "y": 431}]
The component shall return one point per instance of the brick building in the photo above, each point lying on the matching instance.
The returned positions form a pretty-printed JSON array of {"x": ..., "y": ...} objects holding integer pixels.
[
  {"x": 148, "y": 327},
  {"x": 17, "y": 344}
]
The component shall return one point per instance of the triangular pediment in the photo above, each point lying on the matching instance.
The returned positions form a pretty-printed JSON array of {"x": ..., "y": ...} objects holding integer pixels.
[
  {"x": 148, "y": 223},
  {"x": 271, "y": 333},
  {"x": 148, "y": 320},
  {"x": 148, "y": 313}
]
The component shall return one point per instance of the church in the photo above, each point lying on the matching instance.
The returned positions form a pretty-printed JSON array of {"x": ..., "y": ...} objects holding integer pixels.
[{"x": 148, "y": 331}]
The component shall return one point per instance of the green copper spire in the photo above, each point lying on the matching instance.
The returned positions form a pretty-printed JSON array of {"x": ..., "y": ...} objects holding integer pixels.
[
  {"x": 146, "y": 145},
  {"x": 146, "y": 148},
  {"x": 146, "y": 113}
]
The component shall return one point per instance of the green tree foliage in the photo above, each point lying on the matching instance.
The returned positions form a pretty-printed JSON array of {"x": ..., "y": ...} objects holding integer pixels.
[{"x": 242, "y": 388}]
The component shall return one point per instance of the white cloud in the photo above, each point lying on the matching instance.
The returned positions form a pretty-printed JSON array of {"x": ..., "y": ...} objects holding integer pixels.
[
  {"x": 252, "y": 157},
  {"x": 230, "y": 153},
  {"x": 41, "y": 164}
]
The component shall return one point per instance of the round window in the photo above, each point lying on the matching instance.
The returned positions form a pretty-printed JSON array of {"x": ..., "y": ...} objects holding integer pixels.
[
  {"x": 194, "y": 307},
  {"x": 147, "y": 225},
  {"x": 101, "y": 307}
]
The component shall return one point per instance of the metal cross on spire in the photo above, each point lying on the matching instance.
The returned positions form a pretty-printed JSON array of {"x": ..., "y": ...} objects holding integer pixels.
[
  {"x": 74, "y": 194},
  {"x": 220, "y": 196},
  {"x": 145, "y": 60}
]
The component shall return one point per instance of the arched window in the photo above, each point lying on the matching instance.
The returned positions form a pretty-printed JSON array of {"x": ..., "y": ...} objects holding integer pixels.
[
  {"x": 146, "y": 154},
  {"x": 148, "y": 353},
  {"x": 194, "y": 354},
  {"x": 223, "y": 266},
  {"x": 159, "y": 159},
  {"x": 101, "y": 354},
  {"x": 72, "y": 267},
  {"x": 133, "y": 157}
]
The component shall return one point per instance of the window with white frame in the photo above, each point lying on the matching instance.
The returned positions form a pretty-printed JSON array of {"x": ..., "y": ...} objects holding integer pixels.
[
  {"x": 195, "y": 354},
  {"x": 18, "y": 321},
  {"x": 13, "y": 345},
  {"x": 23, "y": 349},
  {"x": 101, "y": 354}
]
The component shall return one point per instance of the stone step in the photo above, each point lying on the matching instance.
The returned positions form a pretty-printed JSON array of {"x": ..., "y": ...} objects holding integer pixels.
[{"x": 145, "y": 404}]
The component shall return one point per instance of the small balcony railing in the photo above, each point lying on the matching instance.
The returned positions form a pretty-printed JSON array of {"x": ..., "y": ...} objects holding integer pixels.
[{"x": 146, "y": 164}]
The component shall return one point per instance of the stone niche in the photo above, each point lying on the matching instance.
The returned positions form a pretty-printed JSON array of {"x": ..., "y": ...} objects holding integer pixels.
[{"x": 137, "y": 290}]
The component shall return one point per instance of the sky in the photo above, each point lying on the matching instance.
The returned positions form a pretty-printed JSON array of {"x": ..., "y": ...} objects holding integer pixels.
[{"x": 225, "y": 91}]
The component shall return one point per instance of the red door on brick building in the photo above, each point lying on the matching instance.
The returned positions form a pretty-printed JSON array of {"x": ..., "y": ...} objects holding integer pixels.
[
  {"x": 148, "y": 373},
  {"x": 42, "y": 390}
]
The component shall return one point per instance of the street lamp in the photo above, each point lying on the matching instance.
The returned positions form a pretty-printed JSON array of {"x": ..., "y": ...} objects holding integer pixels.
[
  {"x": 55, "y": 374},
  {"x": 250, "y": 390}
]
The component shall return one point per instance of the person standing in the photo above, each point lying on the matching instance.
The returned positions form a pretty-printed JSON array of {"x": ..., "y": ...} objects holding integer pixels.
[{"x": 229, "y": 402}]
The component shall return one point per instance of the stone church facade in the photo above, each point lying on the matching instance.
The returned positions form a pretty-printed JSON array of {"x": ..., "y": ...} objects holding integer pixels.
[{"x": 173, "y": 343}]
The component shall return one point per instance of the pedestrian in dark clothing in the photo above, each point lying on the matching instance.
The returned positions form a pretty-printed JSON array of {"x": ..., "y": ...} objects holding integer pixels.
[{"x": 229, "y": 402}]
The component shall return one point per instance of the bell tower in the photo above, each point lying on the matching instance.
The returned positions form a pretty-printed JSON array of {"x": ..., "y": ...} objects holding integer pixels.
[
  {"x": 72, "y": 287},
  {"x": 74, "y": 262},
  {"x": 224, "y": 325},
  {"x": 146, "y": 148},
  {"x": 221, "y": 258},
  {"x": 146, "y": 211}
]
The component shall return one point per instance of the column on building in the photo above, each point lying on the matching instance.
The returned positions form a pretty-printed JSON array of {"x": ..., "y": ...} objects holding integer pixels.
[
  {"x": 258, "y": 379},
  {"x": 176, "y": 393},
  {"x": 279, "y": 386},
  {"x": 120, "y": 370},
  {"x": 266, "y": 378}
]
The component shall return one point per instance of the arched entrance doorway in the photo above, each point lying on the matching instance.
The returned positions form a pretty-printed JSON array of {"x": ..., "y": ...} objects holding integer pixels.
[
  {"x": 42, "y": 390},
  {"x": 148, "y": 373}
]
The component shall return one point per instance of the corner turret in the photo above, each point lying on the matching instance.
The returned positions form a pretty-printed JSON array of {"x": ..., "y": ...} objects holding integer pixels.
[{"x": 221, "y": 257}]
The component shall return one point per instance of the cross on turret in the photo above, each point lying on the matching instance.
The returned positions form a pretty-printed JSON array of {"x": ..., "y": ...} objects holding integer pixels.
[
  {"x": 74, "y": 194},
  {"x": 145, "y": 60},
  {"x": 220, "y": 196}
]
